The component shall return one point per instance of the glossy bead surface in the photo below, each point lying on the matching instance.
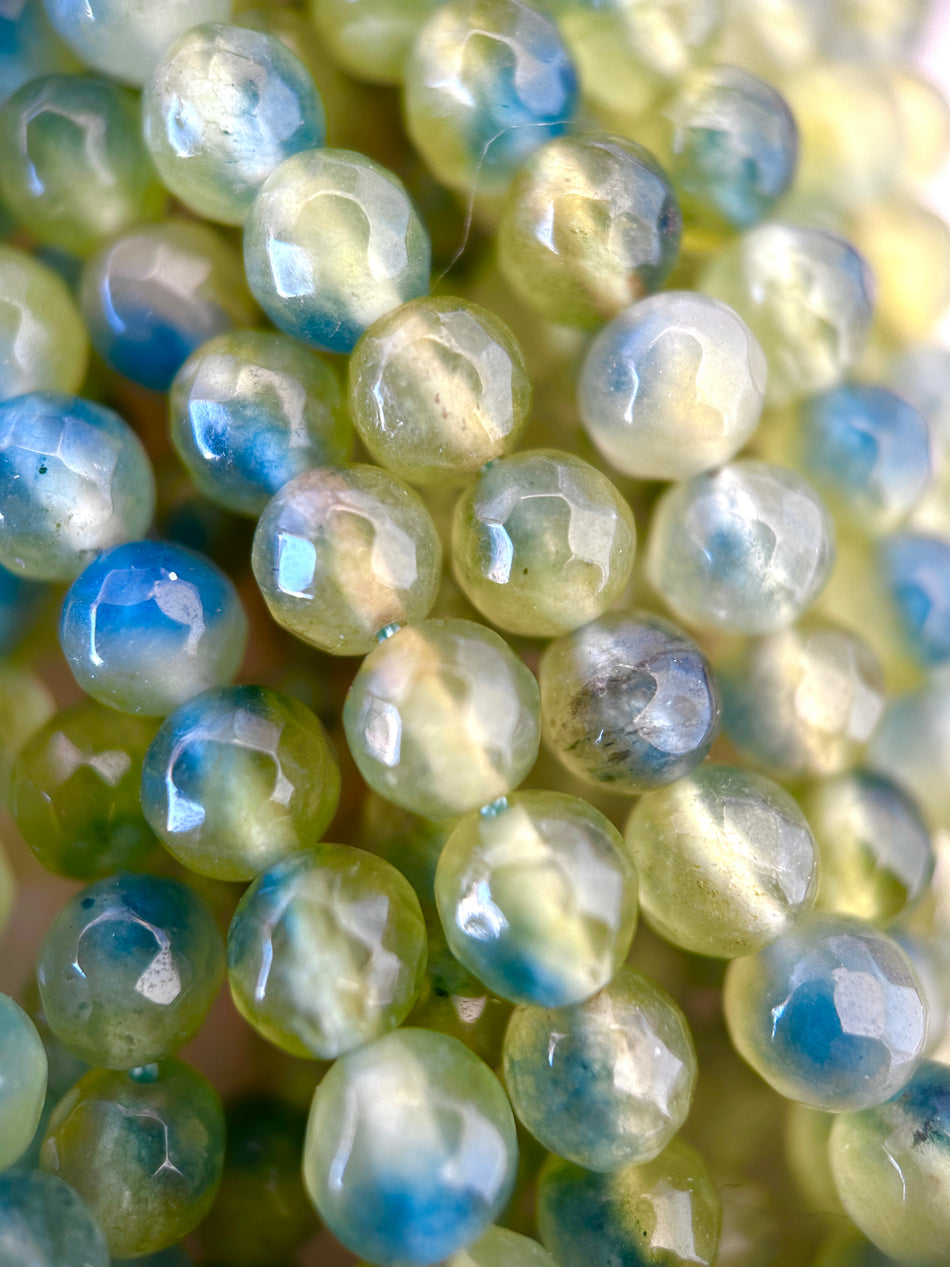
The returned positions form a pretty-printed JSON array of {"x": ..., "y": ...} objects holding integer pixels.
[
  {"x": 538, "y": 898},
  {"x": 672, "y": 387},
  {"x": 45, "y": 1223},
  {"x": 628, "y": 702},
  {"x": 371, "y": 39},
  {"x": 917, "y": 577},
  {"x": 411, "y": 1150},
  {"x": 830, "y": 1015},
  {"x": 443, "y": 718},
  {"x": 500, "y": 1247},
  {"x": 332, "y": 243},
  {"x": 22, "y": 1083},
  {"x": 74, "y": 480},
  {"x": 745, "y": 548},
  {"x": 150, "y": 624},
  {"x": 438, "y": 388},
  {"x": 43, "y": 342},
  {"x": 143, "y": 1149}
]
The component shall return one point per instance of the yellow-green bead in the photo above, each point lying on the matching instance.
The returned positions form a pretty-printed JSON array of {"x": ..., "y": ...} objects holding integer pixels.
[
  {"x": 371, "y": 39},
  {"x": 43, "y": 341},
  {"x": 500, "y": 1247},
  {"x": 23, "y": 1078}
]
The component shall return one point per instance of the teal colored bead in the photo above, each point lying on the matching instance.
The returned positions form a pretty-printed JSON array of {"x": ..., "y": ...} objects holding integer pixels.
[
  {"x": 29, "y": 47},
  {"x": 249, "y": 411},
  {"x": 149, "y": 624},
  {"x": 43, "y": 342},
  {"x": 332, "y": 242},
  {"x": 411, "y": 1150},
  {"x": 23, "y": 1074},
  {"x": 144, "y": 1149},
  {"x": 326, "y": 951},
  {"x": 20, "y": 605},
  {"x": 45, "y": 1223},
  {"x": 73, "y": 168},
  {"x": 224, "y": 106},
  {"x": 128, "y": 970},
  {"x": 74, "y": 480},
  {"x": 916, "y": 571}
]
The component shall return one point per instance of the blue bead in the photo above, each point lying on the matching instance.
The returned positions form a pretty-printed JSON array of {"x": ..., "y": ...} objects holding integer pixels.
[
  {"x": 45, "y": 1223},
  {"x": 917, "y": 574}
]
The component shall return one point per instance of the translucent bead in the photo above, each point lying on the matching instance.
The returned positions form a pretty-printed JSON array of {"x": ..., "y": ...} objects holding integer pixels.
[
  {"x": 745, "y": 548},
  {"x": 249, "y": 411},
  {"x": 438, "y": 388},
  {"x": 411, "y": 1150},
  {"x": 125, "y": 38},
  {"x": 662, "y": 1211},
  {"x": 924, "y": 115},
  {"x": 802, "y": 701},
  {"x": 44, "y": 1223},
  {"x": 150, "y": 624},
  {"x": 144, "y": 1150},
  {"x": 341, "y": 552},
  {"x": 43, "y": 343},
  {"x": 499, "y": 1247},
  {"x": 806, "y": 1155},
  {"x": 805, "y": 294},
  {"x": 628, "y": 702},
  {"x": 538, "y": 898},
  {"x": 672, "y": 387},
  {"x": 411, "y": 843},
  {"x": 371, "y": 39},
  {"x": 590, "y": 225},
  {"x": 326, "y": 951},
  {"x": 75, "y": 792},
  {"x": 73, "y": 167},
  {"x": 487, "y": 83},
  {"x": 26, "y": 703},
  {"x": 74, "y": 480},
  {"x": 22, "y": 1085},
  {"x": 155, "y": 294},
  {"x": 916, "y": 571},
  {"x": 332, "y": 242},
  {"x": 912, "y": 745},
  {"x": 29, "y": 47},
  {"x": 830, "y": 1015},
  {"x": 443, "y": 718}
]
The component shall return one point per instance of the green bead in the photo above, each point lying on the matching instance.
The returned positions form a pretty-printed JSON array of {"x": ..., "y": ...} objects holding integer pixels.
[
  {"x": 43, "y": 341},
  {"x": 412, "y": 844},
  {"x": 25, "y": 704},
  {"x": 371, "y": 39},
  {"x": 23, "y": 1074},
  {"x": 499, "y": 1247}
]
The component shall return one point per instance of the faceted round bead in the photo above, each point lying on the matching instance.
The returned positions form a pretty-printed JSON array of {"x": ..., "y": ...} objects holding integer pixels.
[
  {"x": 664, "y": 1211},
  {"x": 499, "y": 1247},
  {"x": 150, "y": 624},
  {"x": 332, "y": 243},
  {"x": 438, "y": 388},
  {"x": 590, "y": 225},
  {"x": 45, "y": 1223},
  {"x": 628, "y": 702},
  {"x": 23, "y": 1068},
  {"x": 73, "y": 168},
  {"x": 75, "y": 792},
  {"x": 155, "y": 294},
  {"x": 249, "y": 411},
  {"x": 542, "y": 543},
  {"x": 917, "y": 577},
  {"x": 129, "y": 968},
  {"x": 371, "y": 39},
  {"x": 74, "y": 480},
  {"x": 830, "y": 1015},
  {"x": 606, "y": 1083},
  {"x": 806, "y": 294},
  {"x": 443, "y": 718},
  {"x": 144, "y": 1150},
  {"x": 538, "y": 898},
  {"x": 672, "y": 387},
  {"x": 238, "y": 777},
  {"x": 411, "y": 1150},
  {"x": 726, "y": 861},
  {"x": 341, "y": 552},
  {"x": 745, "y": 548},
  {"x": 486, "y": 84},
  {"x": 327, "y": 951},
  {"x": 224, "y": 106},
  {"x": 43, "y": 342}
]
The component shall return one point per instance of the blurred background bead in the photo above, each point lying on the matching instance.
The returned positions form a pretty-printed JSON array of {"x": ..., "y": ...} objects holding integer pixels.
[
  {"x": 45, "y": 1223},
  {"x": 499, "y": 1247},
  {"x": 410, "y": 842},
  {"x": 924, "y": 115},
  {"x": 371, "y": 39},
  {"x": 916, "y": 574},
  {"x": 912, "y": 745},
  {"x": 29, "y": 47},
  {"x": 43, "y": 341},
  {"x": 22, "y": 1084},
  {"x": 806, "y": 1154}
]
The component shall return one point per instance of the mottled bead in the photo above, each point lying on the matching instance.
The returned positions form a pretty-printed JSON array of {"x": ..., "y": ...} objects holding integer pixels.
[
  {"x": 442, "y": 718},
  {"x": 149, "y": 624},
  {"x": 806, "y": 294},
  {"x": 331, "y": 243},
  {"x": 144, "y": 1150},
  {"x": 538, "y": 898},
  {"x": 326, "y": 951},
  {"x": 499, "y": 1247},
  {"x": 672, "y": 387},
  {"x": 45, "y": 1223},
  {"x": 916, "y": 571},
  {"x": 745, "y": 548},
  {"x": 664, "y": 1212},
  {"x": 438, "y": 388},
  {"x": 43, "y": 342},
  {"x": 590, "y": 225},
  {"x": 73, "y": 168},
  {"x": 487, "y": 83},
  {"x": 155, "y": 294},
  {"x": 74, "y": 480},
  {"x": 628, "y": 702},
  {"x": 249, "y": 411},
  {"x": 830, "y": 1015},
  {"x": 22, "y": 1085},
  {"x": 341, "y": 552},
  {"x": 411, "y": 1150},
  {"x": 371, "y": 39}
]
